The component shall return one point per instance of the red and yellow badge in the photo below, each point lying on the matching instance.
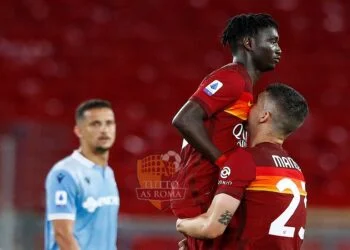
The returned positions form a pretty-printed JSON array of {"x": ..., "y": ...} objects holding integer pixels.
[{"x": 154, "y": 173}]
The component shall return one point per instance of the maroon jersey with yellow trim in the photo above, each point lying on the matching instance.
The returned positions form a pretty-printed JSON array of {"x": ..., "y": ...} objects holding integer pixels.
[
  {"x": 226, "y": 96},
  {"x": 272, "y": 214}
]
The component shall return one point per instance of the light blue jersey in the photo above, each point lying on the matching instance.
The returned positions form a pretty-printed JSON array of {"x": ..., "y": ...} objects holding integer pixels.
[{"x": 79, "y": 190}]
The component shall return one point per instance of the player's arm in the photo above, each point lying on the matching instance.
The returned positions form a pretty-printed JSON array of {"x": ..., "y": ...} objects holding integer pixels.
[
  {"x": 212, "y": 223},
  {"x": 214, "y": 95},
  {"x": 190, "y": 122},
  {"x": 64, "y": 236},
  {"x": 61, "y": 192},
  {"x": 233, "y": 181}
]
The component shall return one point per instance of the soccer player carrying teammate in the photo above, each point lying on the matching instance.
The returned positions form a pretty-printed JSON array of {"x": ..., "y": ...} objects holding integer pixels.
[
  {"x": 82, "y": 199},
  {"x": 266, "y": 184},
  {"x": 211, "y": 121}
]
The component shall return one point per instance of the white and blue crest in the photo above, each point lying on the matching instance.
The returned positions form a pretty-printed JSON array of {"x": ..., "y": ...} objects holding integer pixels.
[{"x": 213, "y": 87}]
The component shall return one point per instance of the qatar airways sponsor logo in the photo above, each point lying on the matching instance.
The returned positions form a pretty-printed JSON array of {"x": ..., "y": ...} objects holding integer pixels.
[
  {"x": 91, "y": 204},
  {"x": 240, "y": 134}
]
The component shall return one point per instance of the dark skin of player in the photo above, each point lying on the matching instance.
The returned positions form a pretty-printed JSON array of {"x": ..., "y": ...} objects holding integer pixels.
[{"x": 258, "y": 54}]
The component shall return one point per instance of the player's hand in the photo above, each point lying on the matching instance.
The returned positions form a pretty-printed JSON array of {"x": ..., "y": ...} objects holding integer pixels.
[
  {"x": 183, "y": 244},
  {"x": 178, "y": 222}
]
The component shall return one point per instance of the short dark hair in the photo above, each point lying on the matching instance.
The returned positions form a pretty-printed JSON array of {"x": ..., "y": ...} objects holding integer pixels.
[
  {"x": 245, "y": 25},
  {"x": 291, "y": 107},
  {"x": 90, "y": 104}
]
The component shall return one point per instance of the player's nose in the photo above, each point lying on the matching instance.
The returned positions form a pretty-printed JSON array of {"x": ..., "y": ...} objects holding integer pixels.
[
  {"x": 278, "y": 51},
  {"x": 104, "y": 129}
]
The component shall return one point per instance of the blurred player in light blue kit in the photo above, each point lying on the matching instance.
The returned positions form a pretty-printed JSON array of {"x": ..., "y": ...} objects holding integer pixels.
[{"x": 82, "y": 199}]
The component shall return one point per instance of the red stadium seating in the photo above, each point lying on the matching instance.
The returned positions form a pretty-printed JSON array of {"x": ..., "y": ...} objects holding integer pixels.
[{"x": 55, "y": 54}]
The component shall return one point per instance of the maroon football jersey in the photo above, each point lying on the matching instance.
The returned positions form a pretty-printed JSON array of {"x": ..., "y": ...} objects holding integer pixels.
[
  {"x": 226, "y": 96},
  {"x": 272, "y": 214}
]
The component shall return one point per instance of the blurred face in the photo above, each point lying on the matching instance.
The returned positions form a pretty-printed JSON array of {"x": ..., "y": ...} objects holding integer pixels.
[
  {"x": 265, "y": 49},
  {"x": 97, "y": 130}
]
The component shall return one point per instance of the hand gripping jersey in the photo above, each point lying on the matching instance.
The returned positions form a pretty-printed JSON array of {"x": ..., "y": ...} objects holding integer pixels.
[
  {"x": 271, "y": 187},
  {"x": 226, "y": 96}
]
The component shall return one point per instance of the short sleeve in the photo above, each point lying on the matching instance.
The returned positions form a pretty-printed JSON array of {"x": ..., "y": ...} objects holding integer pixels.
[
  {"x": 236, "y": 176},
  {"x": 219, "y": 90},
  {"x": 61, "y": 193}
]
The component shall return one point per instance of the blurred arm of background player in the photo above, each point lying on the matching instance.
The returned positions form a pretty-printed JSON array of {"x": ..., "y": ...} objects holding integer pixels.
[
  {"x": 61, "y": 193},
  {"x": 65, "y": 239},
  {"x": 190, "y": 122},
  {"x": 213, "y": 223}
]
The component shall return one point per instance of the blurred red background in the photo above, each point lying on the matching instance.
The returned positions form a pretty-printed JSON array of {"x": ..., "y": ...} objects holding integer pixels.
[{"x": 147, "y": 58}]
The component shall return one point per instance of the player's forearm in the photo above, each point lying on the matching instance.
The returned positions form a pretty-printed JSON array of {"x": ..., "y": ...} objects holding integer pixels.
[
  {"x": 198, "y": 227},
  {"x": 67, "y": 242},
  {"x": 194, "y": 133},
  {"x": 190, "y": 123}
]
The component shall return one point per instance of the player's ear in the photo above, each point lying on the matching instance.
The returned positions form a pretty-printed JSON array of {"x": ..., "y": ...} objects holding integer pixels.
[
  {"x": 265, "y": 115},
  {"x": 247, "y": 43},
  {"x": 77, "y": 131}
]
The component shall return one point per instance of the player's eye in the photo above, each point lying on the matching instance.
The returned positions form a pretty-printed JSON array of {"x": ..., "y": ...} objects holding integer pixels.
[
  {"x": 109, "y": 123},
  {"x": 274, "y": 40},
  {"x": 96, "y": 124}
]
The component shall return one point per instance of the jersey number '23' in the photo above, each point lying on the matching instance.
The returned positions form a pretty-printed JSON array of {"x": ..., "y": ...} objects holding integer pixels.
[{"x": 278, "y": 226}]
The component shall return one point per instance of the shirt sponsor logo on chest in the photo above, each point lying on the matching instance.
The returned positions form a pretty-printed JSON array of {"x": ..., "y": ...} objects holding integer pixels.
[
  {"x": 241, "y": 135},
  {"x": 91, "y": 204}
]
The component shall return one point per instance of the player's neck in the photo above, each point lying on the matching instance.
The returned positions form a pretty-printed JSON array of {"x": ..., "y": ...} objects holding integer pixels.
[
  {"x": 253, "y": 73},
  {"x": 100, "y": 159},
  {"x": 261, "y": 138}
]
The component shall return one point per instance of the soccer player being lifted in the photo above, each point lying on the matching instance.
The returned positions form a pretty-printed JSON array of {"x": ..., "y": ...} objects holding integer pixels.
[
  {"x": 211, "y": 122},
  {"x": 265, "y": 185}
]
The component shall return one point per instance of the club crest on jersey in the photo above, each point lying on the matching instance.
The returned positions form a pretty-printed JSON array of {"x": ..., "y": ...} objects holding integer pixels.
[{"x": 213, "y": 87}]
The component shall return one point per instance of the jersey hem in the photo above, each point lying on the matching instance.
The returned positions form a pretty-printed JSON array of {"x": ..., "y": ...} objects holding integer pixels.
[{"x": 61, "y": 216}]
